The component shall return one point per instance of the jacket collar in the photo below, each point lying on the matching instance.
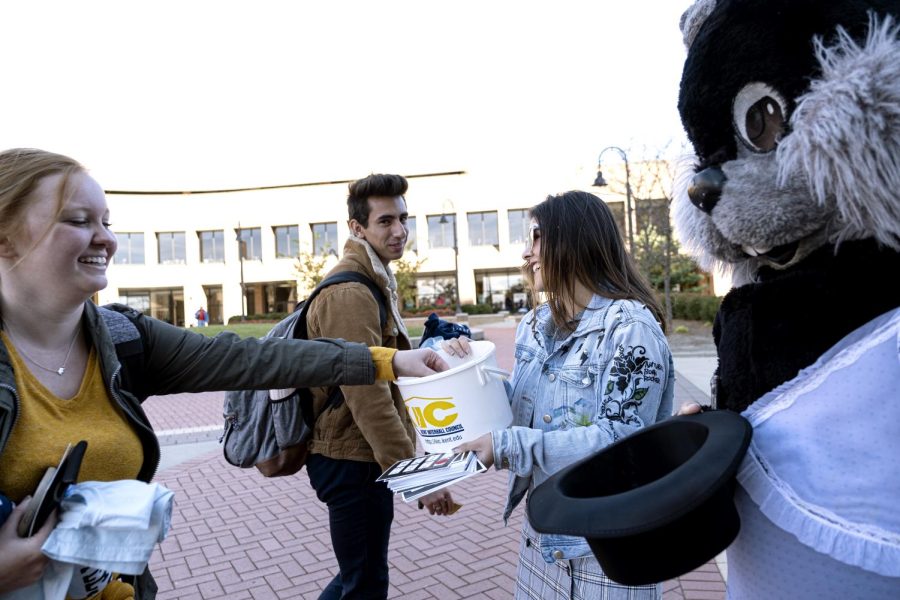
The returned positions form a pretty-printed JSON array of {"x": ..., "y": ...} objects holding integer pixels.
[
  {"x": 100, "y": 339},
  {"x": 360, "y": 256},
  {"x": 592, "y": 318}
]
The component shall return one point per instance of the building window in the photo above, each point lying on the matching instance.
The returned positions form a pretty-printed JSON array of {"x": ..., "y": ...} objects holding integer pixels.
[
  {"x": 618, "y": 211},
  {"x": 435, "y": 290},
  {"x": 137, "y": 299},
  {"x": 503, "y": 290},
  {"x": 412, "y": 243},
  {"x": 249, "y": 244},
  {"x": 287, "y": 241},
  {"x": 652, "y": 213},
  {"x": 171, "y": 247},
  {"x": 324, "y": 238},
  {"x": 166, "y": 304},
  {"x": 518, "y": 226},
  {"x": 441, "y": 235},
  {"x": 483, "y": 228},
  {"x": 131, "y": 249},
  {"x": 213, "y": 295},
  {"x": 212, "y": 246}
]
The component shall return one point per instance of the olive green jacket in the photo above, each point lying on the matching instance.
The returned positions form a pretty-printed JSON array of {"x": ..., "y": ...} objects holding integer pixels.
[{"x": 171, "y": 360}]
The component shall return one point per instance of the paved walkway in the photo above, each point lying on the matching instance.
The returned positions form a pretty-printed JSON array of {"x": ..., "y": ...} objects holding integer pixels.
[{"x": 238, "y": 535}]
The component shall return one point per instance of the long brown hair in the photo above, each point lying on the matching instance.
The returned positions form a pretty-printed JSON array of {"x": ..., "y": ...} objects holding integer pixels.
[{"x": 581, "y": 243}]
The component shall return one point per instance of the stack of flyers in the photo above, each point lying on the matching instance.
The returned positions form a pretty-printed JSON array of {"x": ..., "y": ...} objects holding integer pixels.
[{"x": 415, "y": 477}]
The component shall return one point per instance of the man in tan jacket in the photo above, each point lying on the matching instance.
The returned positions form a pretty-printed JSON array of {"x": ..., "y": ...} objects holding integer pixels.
[{"x": 356, "y": 440}]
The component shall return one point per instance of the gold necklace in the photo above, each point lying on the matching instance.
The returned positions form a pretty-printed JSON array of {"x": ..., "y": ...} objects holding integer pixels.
[{"x": 59, "y": 371}]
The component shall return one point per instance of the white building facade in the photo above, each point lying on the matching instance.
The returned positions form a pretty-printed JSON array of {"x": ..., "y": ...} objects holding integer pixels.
[{"x": 179, "y": 251}]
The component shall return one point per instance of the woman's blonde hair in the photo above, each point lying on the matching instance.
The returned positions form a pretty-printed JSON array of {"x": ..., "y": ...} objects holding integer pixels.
[
  {"x": 20, "y": 171},
  {"x": 581, "y": 243}
]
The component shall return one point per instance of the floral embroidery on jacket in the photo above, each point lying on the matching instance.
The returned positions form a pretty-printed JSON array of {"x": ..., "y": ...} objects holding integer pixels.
[{"x": 623, "y": 393}]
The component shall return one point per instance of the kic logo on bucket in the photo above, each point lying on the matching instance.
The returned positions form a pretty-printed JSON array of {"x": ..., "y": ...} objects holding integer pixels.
[{"x": 434, "y": 417}]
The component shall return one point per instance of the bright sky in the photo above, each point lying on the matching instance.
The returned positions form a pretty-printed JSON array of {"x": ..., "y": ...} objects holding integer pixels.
[{"x": 199, "y": 94}]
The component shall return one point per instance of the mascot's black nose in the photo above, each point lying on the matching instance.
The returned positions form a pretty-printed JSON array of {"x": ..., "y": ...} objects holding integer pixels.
[{"x": 706, "y": 187}]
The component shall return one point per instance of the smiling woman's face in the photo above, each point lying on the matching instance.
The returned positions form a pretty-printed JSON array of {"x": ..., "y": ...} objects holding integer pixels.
[
  {"x": 65, "y": 254},
  {"x": 532, "y": 255}
]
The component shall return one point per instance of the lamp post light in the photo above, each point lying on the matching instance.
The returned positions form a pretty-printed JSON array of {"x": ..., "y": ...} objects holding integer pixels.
[
  {"x": 601, "y": 182},
  {"x": 444, "y": 221}
]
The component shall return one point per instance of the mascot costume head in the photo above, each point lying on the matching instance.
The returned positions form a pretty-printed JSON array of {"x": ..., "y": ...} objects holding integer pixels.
[{"x": 793, "y": 111}]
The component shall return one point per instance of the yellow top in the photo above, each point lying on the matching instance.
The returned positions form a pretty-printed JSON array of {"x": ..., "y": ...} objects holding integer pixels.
[
  {"x": 47, "y": 424},
  {"x": 383, "y": 359}
]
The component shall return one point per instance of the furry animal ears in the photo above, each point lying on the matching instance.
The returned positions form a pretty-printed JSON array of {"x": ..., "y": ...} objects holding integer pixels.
[
  {"x": 833, "y": 69},
  {"x": 845, "y": 132}
]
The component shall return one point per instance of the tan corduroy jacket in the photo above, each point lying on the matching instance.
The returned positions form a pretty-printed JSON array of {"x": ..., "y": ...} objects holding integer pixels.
[{"x": 372, "y": 423}]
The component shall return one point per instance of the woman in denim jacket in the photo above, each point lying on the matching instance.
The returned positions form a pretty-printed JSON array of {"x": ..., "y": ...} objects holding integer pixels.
[{"x": 592, "y": 366}]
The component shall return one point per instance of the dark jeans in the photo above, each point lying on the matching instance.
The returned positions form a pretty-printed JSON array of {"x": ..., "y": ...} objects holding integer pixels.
[{"x": 360, "y": 512}]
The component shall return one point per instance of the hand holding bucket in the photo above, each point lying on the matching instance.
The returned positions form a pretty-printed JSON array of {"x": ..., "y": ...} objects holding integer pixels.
[{"x": 460, "y": 404}]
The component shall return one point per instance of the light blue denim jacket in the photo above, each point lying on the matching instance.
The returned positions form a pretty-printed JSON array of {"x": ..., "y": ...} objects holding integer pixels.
[{"x": 572, "y": 397}]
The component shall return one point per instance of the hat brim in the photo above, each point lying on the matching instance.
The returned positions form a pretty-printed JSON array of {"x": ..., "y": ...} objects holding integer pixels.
[{"x": 654, "y": 505}]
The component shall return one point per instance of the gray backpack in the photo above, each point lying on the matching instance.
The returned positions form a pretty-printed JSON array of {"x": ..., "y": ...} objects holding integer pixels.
[{"x": 270, "y": 429}]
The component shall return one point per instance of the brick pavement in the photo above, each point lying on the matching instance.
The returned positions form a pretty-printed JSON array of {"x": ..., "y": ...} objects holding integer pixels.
[{"x": 238, "y": 535}]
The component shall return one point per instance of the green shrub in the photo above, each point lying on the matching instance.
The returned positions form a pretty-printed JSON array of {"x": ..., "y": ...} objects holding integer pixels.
[
  {"x": 478, "y": 309},
  {"x": 695, "y": 307}
]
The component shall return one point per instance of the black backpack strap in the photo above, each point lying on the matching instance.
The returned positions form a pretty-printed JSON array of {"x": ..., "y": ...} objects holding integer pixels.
[
  {"x": 335, "y": 397},
  {"x": 300, "y": 329}
]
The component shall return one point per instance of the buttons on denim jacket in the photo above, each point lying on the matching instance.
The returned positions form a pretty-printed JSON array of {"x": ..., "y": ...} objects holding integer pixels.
[
  {"x": 547, "y": 418},
  {"x": 558, "y": 554},
  {"x": 551, "y": 377}
]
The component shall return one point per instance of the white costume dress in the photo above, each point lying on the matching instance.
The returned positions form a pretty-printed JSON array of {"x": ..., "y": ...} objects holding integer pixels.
[{"x": 819, "y": 494}]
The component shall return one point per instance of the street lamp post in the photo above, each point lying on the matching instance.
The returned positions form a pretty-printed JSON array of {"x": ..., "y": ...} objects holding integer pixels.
[
  {"x": 601, "y": 182},
  {"x": 444, "y": 221},
  {"x": 242, "y": 252}
]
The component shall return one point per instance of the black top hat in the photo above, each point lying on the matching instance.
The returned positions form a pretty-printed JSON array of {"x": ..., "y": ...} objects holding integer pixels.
[{"x": 654, "y": 505}]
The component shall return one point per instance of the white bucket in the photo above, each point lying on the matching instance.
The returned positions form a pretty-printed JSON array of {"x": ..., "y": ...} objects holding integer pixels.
[{"x": 460, "y": 404}]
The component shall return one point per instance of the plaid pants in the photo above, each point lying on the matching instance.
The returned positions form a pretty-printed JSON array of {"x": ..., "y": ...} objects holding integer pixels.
[{"x": 576, "y": 579}]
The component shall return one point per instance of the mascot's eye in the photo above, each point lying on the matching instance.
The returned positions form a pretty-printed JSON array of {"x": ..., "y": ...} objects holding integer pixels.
[{"x": 758, "y": 114}]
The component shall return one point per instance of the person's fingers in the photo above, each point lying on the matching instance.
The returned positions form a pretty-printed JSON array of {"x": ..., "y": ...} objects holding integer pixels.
[
  {"x": 689, "y": 408},
  {"x": 457, "y": 346},
  {"x": 434, "y": 361},
  {"x": 12, "y": 522},
  {"x": 418, "y": 363},
  {"x": 47, "y": 528}
]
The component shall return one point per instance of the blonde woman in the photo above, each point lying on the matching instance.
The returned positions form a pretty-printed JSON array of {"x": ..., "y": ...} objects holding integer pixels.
[{"x": 60, "y": 379}]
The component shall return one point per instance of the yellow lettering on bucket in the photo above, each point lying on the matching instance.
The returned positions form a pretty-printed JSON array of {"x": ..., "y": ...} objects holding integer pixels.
[{"x": 431, "y": 412}]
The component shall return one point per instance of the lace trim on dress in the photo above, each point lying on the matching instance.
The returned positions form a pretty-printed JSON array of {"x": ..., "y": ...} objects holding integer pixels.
[{"x": 864, "y": 545}]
